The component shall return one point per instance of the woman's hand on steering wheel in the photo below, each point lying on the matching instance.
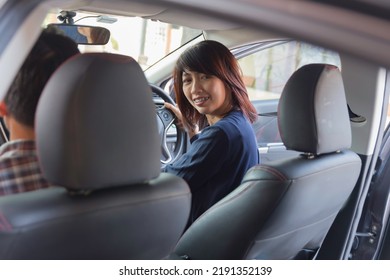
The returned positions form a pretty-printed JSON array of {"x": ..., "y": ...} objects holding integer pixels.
[{"x": 179, "y": 122}]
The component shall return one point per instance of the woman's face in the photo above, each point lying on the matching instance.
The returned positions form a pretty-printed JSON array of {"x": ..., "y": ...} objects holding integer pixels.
[{"x": 207, "y": 94}]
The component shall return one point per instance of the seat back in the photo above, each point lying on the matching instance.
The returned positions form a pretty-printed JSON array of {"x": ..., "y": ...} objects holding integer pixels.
[
  {"x": 286, "y": 207},
  {"x": 97, "y": 142}
]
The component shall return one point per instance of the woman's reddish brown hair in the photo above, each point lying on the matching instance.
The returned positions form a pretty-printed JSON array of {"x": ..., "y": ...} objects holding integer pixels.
[{"x": 211, "y": 58}]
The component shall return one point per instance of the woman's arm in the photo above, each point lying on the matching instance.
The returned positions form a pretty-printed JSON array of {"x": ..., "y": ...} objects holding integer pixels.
[{"x": 205, "y": 157}]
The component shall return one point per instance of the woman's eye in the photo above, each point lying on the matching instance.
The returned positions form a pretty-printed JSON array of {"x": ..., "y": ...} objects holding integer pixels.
[{"x": 186, "y": 81}]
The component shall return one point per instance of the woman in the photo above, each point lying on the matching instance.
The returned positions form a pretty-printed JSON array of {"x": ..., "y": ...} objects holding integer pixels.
[{"x": 212, "y": 99}]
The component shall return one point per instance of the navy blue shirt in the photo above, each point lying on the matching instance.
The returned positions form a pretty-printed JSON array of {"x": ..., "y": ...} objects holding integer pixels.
[{"x": 217, "y": 160}]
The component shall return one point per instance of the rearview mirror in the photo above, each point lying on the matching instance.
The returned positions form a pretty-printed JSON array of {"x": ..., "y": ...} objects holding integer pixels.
[{"x": 82, "y": 34}]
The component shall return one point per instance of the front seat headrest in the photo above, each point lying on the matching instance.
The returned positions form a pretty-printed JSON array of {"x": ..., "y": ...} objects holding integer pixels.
[
  {"x": 96, "y": 124},
  {"x": 312, "y": 114}
]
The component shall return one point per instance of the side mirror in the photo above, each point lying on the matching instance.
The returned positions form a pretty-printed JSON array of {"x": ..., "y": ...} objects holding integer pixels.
[{"x": 82, "y": 34}]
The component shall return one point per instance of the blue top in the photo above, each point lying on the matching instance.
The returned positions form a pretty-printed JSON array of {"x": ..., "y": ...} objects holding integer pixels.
[{"x": 217, "y": 160}]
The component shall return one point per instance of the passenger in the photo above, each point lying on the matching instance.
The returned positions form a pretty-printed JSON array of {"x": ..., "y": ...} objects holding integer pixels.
[
  {"x": 19, "y": 168},
  {"x": 214, "y": 109}
]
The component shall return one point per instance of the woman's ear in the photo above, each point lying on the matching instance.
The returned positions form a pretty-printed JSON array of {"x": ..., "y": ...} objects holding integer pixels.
[{"x": 3, "y": 109}]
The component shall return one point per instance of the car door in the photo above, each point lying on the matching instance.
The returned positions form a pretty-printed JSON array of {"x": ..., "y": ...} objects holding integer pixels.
[{"x": 372, "y": 239}]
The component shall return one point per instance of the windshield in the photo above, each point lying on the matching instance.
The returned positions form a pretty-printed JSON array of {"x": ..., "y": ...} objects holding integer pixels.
[{"x": 145, "y": 40}]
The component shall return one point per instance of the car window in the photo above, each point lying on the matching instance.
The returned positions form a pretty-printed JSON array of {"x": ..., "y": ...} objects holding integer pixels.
[{"x": 266, "y": 71}]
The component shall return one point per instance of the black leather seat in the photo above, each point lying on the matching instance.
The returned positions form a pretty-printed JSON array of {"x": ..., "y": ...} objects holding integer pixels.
[
  {"x": 98, "y": 143},
  {"x": 286, "y": 207}
]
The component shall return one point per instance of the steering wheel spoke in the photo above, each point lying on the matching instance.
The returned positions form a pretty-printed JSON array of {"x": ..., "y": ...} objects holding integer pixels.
[
  {"x": 166, "y": 118},
  {"x": 172, "y": 137}
]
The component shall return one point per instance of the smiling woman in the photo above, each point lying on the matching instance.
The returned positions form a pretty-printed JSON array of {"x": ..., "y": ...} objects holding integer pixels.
[
  {"x": 271, "y": 40},
  {"x": 211, "y": 96}
]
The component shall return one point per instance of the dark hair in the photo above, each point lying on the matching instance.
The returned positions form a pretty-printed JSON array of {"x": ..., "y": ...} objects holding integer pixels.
[
  {"x": 211, "y": 58},
  {"x": 49, "y": 52}
]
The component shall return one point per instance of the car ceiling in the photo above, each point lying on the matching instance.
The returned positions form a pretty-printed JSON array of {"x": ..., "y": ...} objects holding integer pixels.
[
  {"x": 350, "y": 28},
  {"x": 345, "y": 31},
  {"x": 165, "y": 13}
]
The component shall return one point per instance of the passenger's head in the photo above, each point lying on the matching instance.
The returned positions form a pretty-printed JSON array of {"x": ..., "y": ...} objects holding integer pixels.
[
  {"x": 214, "y": 59},
  {"x": 49, "y": 52}
]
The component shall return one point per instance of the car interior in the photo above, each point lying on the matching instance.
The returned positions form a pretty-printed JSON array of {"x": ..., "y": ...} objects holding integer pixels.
[
  {"x": 317, "y": 74},
  {"x": 287, "y": 206}
]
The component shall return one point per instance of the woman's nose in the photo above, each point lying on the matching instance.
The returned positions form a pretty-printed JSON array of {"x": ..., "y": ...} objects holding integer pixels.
[{"x": 195, "y": 87}]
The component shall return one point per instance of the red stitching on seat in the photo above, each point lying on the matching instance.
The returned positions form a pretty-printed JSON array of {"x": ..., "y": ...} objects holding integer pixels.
[{"x": 273, "y": 171}]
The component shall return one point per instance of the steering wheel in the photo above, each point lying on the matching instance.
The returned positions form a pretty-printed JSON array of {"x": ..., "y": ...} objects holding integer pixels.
[{"x": 172, "y": 137}]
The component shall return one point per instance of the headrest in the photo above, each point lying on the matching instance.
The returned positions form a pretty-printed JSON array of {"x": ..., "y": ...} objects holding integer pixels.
[
  {"x": 313, "y": 113},
  {"x": 96, "y": 124}
]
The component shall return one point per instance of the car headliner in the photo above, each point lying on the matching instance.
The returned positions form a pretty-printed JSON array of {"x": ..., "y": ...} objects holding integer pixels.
[
  {"x": 362, "y": 34},
  {"x": 362, "y": 26}
]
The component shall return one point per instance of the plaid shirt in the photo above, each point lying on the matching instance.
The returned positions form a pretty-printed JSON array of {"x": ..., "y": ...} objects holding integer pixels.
[{"x": 19, "y": 168}]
